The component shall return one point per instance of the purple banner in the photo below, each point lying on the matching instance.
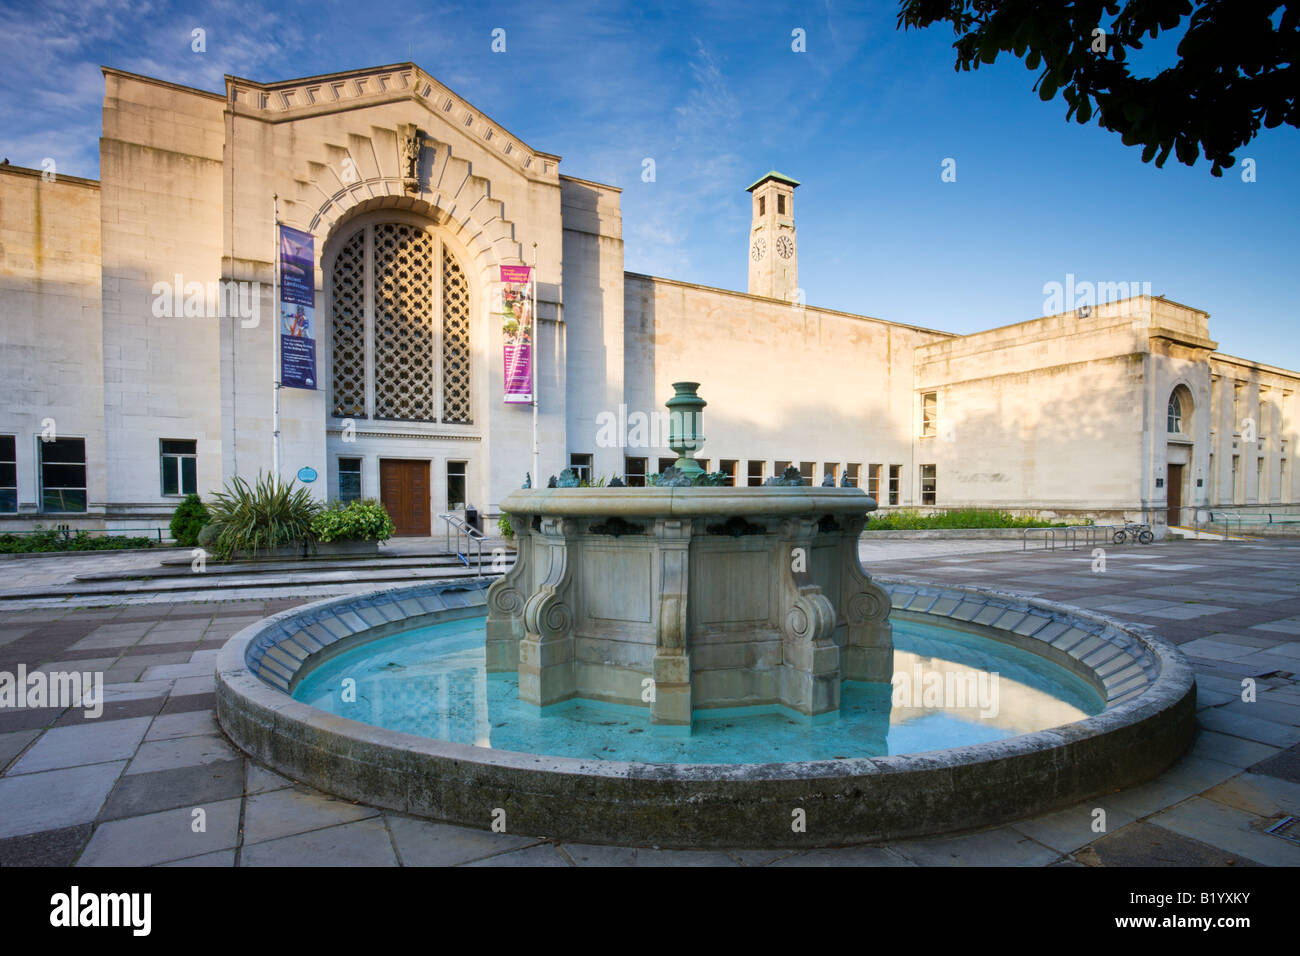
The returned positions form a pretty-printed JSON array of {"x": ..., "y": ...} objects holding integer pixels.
[
  {"x": 297, "y": 309},
  {"x": 517, "y": 330}
]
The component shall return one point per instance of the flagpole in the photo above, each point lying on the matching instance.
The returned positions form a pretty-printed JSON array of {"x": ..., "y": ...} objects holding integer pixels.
[
  {"x": 275, "y": 360},
  {"x": 537, "y": 328}
]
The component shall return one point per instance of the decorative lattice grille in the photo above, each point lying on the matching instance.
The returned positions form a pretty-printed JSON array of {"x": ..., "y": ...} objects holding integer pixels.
[
  {"x": 455, "y": 343},
  {"x": 403, "y": 323},
  {"x": 348, "y": 331}
]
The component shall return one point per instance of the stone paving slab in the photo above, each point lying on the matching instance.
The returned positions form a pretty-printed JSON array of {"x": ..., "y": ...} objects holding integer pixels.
[
  {"x": 363, "y": 843},
  {"x": 162, "y": 837}
]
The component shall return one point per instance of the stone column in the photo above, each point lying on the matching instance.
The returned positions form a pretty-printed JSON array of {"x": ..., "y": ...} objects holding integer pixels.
[
  {"x": 810, "y": 678},
  {"x": 671, "y": 707},
  {"x": 864, "y": 606},
  {"x": 505, "y": 601},
  {"x": 546, "y": 673}
]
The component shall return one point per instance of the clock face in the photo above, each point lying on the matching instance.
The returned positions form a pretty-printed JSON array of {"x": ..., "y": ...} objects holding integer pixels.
[
  {"x": 760, "y": 248},
  {"x": 785, "y": 247}
]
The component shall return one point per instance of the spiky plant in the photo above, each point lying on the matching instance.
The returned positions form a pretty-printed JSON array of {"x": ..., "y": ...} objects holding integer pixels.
[{"x": 261, "y": 517}]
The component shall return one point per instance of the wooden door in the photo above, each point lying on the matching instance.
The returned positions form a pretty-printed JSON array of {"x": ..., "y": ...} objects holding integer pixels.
[
  {"x": 1174, "y": 494},
  {"x": 404, "y": 491}
]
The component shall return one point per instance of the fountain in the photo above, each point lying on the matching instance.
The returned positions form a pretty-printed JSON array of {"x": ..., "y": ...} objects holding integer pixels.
[
  {"x": 688, "y": 664},
  {"x": 686, "y": 599}
]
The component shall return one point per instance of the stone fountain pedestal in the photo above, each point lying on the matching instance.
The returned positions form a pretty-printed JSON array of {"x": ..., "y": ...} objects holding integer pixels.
[{"x": 687, "y": 599}]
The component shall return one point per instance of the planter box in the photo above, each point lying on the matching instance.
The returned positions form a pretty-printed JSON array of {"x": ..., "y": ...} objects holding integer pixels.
[{"x": 325, "y": 549}]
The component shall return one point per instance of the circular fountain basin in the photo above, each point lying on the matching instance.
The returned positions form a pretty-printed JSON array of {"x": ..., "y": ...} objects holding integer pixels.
[
  {"x": 1085, "y": 706},
  {"x": 954, "y": 689}
]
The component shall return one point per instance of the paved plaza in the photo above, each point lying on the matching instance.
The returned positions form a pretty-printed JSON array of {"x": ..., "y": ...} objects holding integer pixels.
[{"x": 153, "y": 781}]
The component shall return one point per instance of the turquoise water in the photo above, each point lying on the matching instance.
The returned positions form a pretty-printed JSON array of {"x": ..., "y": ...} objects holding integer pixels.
[{"x": 432, "y": 682}]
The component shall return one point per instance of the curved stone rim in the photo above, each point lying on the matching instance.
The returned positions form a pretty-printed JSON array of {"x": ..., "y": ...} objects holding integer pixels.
[
  {"x": 865, "y": 799},
  {"x": 704, "y": 501}
]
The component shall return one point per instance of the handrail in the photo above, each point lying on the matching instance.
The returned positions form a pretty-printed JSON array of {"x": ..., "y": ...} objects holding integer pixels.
[{"x": 471, "y": 535}]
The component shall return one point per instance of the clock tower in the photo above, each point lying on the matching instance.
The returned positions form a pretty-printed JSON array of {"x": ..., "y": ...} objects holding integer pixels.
[{"x": 773, "y": 251}]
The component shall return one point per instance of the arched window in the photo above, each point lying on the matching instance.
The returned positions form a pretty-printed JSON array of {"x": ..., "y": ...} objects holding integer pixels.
[
  {"x": 400, "y": 327},
  {"x": 1175, "y": 413}
]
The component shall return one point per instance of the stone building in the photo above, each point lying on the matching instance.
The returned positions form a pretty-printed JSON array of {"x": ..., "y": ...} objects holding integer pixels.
[{"x": 137, "y": 336}]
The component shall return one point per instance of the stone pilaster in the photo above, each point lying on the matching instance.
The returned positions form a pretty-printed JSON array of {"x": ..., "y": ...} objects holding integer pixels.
[
  {"x": 505, "y": 600},
  {"x": 868, "y": 652},
  {"x": 671, "y": 707},
  {"x": 546, "y": 652},
  {"x": 810, "y": 679}
]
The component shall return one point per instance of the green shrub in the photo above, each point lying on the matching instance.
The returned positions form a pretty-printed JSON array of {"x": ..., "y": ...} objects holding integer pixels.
[
  {"x": 51, "y": 539},
  {"x": 505, "y": 527},
  {"x": 188, "y": 520},
  {"x": 366, "y": 520},
  {"x": 909, "y": 519},
  {"x": 261, "y": 517}
]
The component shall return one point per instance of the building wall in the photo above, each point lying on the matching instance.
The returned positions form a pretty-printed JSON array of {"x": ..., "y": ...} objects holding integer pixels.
[
  {"x": 51, "y": 346},
  {"x": 782, "y": 382},
  {"x": 160, "y": 176}
]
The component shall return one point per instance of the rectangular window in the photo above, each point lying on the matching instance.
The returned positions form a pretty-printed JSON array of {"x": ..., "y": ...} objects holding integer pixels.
[
  {"x": 755, "y": 473},
  {"x": 581, "y": 464},
  {"x": 1283, "y": 487},
  {"x": 728, "y": 467},
  {"x": 833, "y": 470},
  {"x": 179, "y": 467},
  {"x": 1236, "y": 479},
  {"x": 927, "y": 484},
  {"x": 895, "y": 483},
  {"x": 873, "y": 482},
  {"x": 762, "y": 205},
  {"x": 851, "y": 472},
  {"x": 456, "y": 485},
  {"x": 779, "y": 467},
  {"x": 8, "y": 474},
  {"x": 929, "y": 414},
  {"x": 780, "y": 205},
  {"x": 634, "y": 472},
  {"x": 666, "y": 463},
  {"x": 703, "y": 463},
  {"x": 63, "y": 474},
  {"x": 349, "y": 479},
  {"x": 806, "y": 469},
  {"x": 1261, "y": 482},
  {"x": 1238, "y": 398}
]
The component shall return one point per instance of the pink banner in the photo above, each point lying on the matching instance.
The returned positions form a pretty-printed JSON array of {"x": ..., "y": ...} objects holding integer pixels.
[{"x": 517, "y": 331}]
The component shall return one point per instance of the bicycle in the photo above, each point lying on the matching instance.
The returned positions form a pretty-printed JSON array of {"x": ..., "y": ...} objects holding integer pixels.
[{"x": 1140, "y": 533}]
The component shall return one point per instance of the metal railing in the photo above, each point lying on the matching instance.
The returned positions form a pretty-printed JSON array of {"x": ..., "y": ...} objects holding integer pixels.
[
  {"x": 1223, "y": 523},
  {"x": 467, "y": 533}
]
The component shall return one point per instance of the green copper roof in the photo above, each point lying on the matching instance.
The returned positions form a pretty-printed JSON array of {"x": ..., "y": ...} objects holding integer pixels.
[{"x": 772, "y": 174}]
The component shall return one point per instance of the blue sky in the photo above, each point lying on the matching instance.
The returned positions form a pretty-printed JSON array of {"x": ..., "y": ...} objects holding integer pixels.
[{"x": 714, "y": 94}]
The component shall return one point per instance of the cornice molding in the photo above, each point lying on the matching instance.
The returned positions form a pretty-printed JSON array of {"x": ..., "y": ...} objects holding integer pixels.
[{"x": 293, "y": 99}]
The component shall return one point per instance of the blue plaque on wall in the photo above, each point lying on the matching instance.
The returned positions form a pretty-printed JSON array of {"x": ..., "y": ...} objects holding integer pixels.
[{"x": 306, "y": 474}]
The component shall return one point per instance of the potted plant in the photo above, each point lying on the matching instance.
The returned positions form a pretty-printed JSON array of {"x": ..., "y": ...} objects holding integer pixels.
[
  {"x": 267, "y": 519},
  {"x": 354, "y": 528}
]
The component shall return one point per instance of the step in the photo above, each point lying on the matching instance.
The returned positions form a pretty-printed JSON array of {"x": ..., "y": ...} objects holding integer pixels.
[{"x": 200, "y": 584}]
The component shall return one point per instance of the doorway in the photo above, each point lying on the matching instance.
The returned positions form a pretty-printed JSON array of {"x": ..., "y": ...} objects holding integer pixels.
[
  {"x": 404, "y": 491},
  {"x": 1174, "y": 494}
]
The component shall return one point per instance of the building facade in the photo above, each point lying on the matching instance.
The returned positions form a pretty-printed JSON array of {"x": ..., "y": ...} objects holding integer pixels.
[{"x": 138, "y": 317}]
